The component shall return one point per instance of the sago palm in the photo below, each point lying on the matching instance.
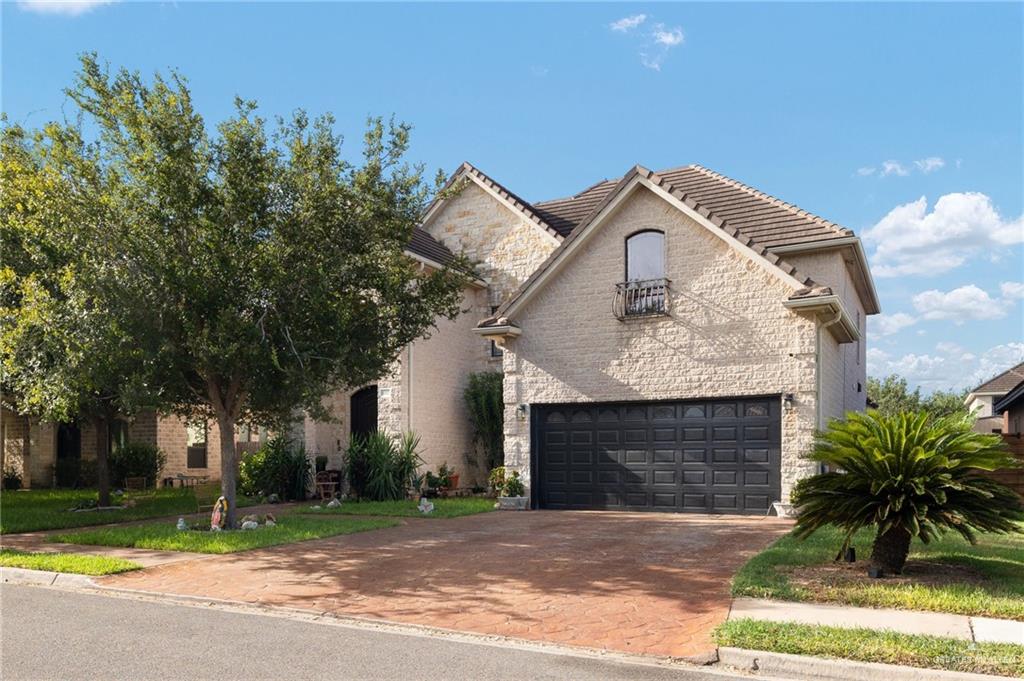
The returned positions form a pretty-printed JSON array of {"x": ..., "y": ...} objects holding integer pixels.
[{"x": 909, "y": 475}]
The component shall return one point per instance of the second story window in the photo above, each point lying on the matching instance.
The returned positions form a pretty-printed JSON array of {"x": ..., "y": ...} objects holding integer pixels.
[{"x": 645, "y": 291}]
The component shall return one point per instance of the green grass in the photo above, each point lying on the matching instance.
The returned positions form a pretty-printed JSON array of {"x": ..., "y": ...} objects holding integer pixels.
[
  {"x": 166, "y": 537},
  {"x": 66, "y": 562},
  {"x": 443, "y": 508},
  {"x": 866, "y": 645},
  {"x": 48, "y": 509},
  {"x": 997, "y": 559}
]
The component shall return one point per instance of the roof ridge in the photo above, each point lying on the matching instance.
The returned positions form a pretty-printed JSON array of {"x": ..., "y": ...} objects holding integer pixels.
[
  {"x": 796, "y": 210},
  {"x": 517, "y": 201},
  {"x": 577, "y": 194},
  {"x": 1015, "y": 370}
]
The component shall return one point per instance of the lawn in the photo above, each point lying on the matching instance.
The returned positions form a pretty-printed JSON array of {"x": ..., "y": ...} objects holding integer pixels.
[
  {"x": 30, "y": 510},
  {"x": 443, "y": 508},
  {"x": 948, "y": 575},
  {"x": 66, "y": 562},
  {"x": 866, "y": 645},
  {"x": 166, "y": 537}
]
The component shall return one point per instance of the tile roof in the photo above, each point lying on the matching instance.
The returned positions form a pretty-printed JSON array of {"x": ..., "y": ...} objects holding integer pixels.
[
  {"x": 1004, "y": 382},
  {"x": 424, "y": 245},
  {"x": 762, "y": 218}
]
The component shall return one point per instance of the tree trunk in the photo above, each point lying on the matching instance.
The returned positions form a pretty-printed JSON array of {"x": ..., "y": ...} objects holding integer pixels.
[
  {"x": 228, "y": 465},
  {"x": 102, "y": 450},
  {"x": 890, "y": 550}
]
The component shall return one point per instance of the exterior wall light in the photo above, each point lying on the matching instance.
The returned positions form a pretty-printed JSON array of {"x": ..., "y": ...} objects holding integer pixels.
[
  {"x": 787, "y": 401},
  {"x": 521, "y": 412}
]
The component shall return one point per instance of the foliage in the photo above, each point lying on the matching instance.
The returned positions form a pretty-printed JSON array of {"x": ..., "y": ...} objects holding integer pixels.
[
  {"x": 486, "y": 404},
  {"x": 278, "y": 467},
  {"x": 165, "y": 536},
  {"x": 452, "y": 507},
  {"x": 867, "y": 645},
  {"x": 893, "y": 396},
  {"x": 381, "y": 467},
  {"x": 997, "y": 560},
  {"x": 75, "y": 563},
  {"x": 909, "y": 475},
  {"x": 137, "y": 460},
  {"x": 514, "y": 485},
  {"x": 496, "y": 479},
  {"x": 76, "y": 473},
  {"x": 11, "y": 478},
  {"x": 254, "y": 270},
  {"x": 444, "y": 475},
  {"x": 33, "y": 510}
]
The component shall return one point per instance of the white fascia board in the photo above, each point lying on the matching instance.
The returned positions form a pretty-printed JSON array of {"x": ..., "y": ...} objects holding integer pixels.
[
  {"x": 831, "y": 303},
  {"x": 506, "y": 330}
]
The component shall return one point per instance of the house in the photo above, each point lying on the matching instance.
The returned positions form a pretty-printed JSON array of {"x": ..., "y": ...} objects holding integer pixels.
[
  {"x": 669, "y": 341},
  {"x": 982, "y": 400}
]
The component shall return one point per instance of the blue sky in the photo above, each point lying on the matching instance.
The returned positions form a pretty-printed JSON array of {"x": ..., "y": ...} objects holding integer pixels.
[{"x": 902, "y": 122}]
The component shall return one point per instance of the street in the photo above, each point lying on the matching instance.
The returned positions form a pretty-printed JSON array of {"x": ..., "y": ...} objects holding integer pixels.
[{"x": 54, "y": 634}]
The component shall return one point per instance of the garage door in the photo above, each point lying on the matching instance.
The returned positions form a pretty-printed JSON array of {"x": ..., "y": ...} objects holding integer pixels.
[{"x": 706, "y": 456}]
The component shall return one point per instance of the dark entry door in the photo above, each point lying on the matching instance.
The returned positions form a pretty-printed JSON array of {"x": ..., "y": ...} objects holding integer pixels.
[
  {"x": 69, "y": 454},
  {"x": 699, "y": 456},
  {"x": 363, "y": 411}
]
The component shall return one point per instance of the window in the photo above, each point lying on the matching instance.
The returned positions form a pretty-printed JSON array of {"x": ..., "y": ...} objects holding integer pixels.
[
  {"x": 195, "y": 444},
  {"x": 645, "y": 256},
  {"x": 495, "y": 350},
  {"x": 117, "y": 435}
]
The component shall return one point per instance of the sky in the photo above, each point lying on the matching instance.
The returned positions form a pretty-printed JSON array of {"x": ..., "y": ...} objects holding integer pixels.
[{"x": 902, "y": 122}]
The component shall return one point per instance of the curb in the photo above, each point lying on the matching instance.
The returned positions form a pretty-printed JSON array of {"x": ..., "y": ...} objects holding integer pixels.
[
  {"x": 804, "y": 667},
  {"x": 13, "y": 575}
]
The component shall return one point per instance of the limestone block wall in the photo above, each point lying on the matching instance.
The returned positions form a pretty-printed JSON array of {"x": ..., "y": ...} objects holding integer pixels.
[{"x": 728, "y": 334}]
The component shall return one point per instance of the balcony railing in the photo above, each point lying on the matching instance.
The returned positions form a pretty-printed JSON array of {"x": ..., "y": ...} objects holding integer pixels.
[{"x": 648, "y": 298}]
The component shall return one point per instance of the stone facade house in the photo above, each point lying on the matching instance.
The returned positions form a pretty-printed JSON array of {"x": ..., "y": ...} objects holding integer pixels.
[
  {"x": 669, "y": 341},
  {"x": 982, "y": 401}
]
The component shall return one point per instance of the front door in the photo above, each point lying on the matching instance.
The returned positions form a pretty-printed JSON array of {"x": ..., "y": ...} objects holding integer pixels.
[
  {"x": 69, "y": 454},
  {"x": 363, "y": 409}
]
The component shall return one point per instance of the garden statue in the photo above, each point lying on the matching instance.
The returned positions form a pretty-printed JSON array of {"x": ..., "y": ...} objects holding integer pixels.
[
  {"x": 181, "y": 524},
  {"x": 220, "y": 510},
  {"x": 426, "y": 506}
]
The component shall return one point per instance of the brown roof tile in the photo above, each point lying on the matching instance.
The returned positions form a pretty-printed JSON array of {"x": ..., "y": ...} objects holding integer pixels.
[{"x": 1004, "y": 382}]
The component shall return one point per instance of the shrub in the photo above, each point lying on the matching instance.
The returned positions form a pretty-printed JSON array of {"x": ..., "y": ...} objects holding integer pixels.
[
  {"x": 136, "y": 460},
  {"x": 497, "y": 479},
  {"x": 514, "y": 485},
  {"x": 909, "y": 475},
  {"x": 486, "y": 404},
  {"x": 278, "y": 467},
  {"x": 12, "y": 478},
  {"x": 380, "y": 467},
  {"x": 506, "y": 483}
]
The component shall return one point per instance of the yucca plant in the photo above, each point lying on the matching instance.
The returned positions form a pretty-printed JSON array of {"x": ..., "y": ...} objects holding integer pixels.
[{"x": 909, "y": 475}]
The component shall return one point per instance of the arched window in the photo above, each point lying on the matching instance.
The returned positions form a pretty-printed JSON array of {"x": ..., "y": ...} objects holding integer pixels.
[{"x": 645, "y": 256}]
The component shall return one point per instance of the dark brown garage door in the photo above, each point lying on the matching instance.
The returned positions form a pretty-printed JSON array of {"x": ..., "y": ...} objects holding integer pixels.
[{"x": 706, "y": 456}]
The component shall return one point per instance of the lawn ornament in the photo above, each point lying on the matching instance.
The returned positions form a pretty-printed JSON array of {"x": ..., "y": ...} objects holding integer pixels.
[{"x": 220, "y": 513}]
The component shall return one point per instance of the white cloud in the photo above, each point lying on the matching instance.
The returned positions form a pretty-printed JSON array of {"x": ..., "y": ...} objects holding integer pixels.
[
  {"x": 67, "y": 7},
  {"x": 669, "y": 37},
  {"x": 888, "y": 324},
  {"x": 946, "y": 370},
  {"x": 909, "y": 240},
  {"x": 626, "y": 24},
  {"x": 866, "y": 171},
  {"x": 948, "y": 348},
  {"x": 930, "y": 164},
  {"x": 959, "y": 305},
  {"x": 1012, "y": 290},
  {"x": 894, "y": 168}
]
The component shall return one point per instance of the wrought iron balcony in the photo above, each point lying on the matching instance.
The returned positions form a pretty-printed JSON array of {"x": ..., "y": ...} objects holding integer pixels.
[{"x": 648, "y": 298}]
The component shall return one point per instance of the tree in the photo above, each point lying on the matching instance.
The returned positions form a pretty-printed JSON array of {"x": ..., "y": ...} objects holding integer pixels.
[
  {"x": 893, "y": 396},
  {"x": 910, "y": 475},
  {"x": 63, "y": 356},
  {"x": 257, "y": 271}
]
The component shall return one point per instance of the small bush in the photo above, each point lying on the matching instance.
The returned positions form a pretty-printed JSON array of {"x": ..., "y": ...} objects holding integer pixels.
[
  {"x": 514, "y": 485},
  {"x": 12, "y": 478},
  {"x": 497, "y": 479},
  {"x": 380, "y": 467},
  {"x": 135, "y": 460},
  {"x": 486, "y": 403},
  {"x": 278, "y": 468},
  {"x": 506, "y": 483}
]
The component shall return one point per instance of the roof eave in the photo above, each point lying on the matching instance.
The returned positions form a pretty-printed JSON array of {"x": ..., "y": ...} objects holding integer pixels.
[
  {"x": 845, "y": 330},
  {"x": 872, "y": 304}
]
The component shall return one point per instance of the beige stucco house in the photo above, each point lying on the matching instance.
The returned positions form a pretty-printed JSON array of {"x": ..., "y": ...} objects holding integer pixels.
[{"x": 670, "y": 341}]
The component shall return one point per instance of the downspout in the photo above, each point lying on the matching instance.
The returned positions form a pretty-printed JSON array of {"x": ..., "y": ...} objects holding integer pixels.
[{"x": 817, "y": 373}]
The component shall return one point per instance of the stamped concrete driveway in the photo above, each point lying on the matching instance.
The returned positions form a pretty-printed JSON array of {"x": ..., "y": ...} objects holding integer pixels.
[{"x": 648, "y": 583}]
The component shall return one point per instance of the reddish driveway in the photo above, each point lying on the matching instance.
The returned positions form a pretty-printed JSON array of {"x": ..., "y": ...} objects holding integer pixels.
[{"x": 646, "y": 583}]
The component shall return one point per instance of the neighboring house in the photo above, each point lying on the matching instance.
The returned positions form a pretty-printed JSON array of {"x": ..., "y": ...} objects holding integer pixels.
[
  {"x": 1011, "y": 408},
  {"x": 982, "y": 400}
]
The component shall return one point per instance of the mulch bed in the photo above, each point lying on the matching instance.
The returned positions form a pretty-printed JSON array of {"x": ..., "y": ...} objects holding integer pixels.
[{"x": 818, "y": 578}]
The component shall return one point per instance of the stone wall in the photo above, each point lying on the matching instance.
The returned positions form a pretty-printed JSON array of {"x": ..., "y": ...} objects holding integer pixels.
[{"x": 728, "y": 335}]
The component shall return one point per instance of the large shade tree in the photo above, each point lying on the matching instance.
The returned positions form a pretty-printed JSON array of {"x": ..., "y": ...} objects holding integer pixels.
[{"x": 259, "y": 270}]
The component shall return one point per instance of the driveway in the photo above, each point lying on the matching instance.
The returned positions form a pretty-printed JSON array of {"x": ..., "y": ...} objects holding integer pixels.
[{"x": 647, "y": 583}]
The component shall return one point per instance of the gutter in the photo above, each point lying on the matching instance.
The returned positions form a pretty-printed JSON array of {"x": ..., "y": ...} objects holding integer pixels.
[
  {"x": 830, "y": 303},
  {"x": 503, "y": 331}
]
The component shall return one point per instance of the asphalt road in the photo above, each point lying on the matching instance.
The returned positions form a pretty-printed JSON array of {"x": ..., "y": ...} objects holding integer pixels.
[{"x": 54, "y": 634}]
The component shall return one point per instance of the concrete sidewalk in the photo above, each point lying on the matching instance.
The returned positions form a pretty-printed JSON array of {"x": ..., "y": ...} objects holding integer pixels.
[{"x": 979, "y": 629}]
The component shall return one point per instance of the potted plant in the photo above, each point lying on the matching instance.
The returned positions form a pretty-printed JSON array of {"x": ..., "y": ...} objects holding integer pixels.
[
  {"x": 449, "y": 479},
  {"x": 513, "y": 493},
  {"x": 433, "y": 483}
]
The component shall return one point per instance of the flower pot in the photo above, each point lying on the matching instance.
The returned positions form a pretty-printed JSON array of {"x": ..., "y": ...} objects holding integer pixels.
[
  {"x": 453, "y": 481},
  {"x": 513, "y": 503}
]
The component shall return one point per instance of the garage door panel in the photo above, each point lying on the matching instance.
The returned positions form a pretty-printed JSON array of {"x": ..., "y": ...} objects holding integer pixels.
[{"x": 717, "y": 456}]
